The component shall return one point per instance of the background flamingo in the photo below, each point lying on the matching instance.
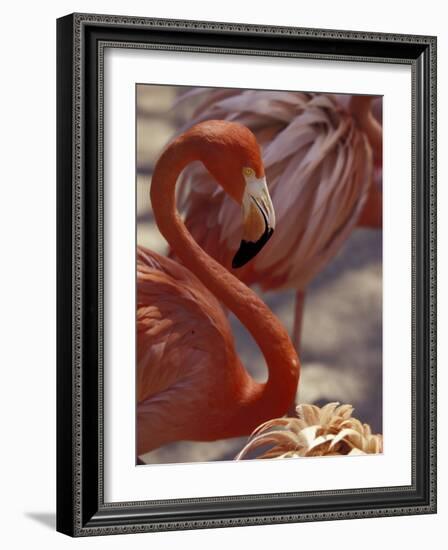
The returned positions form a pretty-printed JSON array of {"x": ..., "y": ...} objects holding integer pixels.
[
  {"x": 190, "y": 382},
  {"x": 320, "y": 153}
]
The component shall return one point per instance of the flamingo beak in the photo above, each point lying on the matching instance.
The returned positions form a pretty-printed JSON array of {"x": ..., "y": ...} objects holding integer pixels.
[{"x": 258, "y": 221}]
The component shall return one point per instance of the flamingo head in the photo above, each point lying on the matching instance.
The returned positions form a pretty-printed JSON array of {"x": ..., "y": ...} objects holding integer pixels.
[{"x": 231, "y": 154}]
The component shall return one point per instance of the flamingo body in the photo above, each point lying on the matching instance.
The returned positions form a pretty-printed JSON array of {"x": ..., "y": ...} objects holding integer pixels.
[
  {"x": 188, "y": 373},
  {"x": 319, "y": 168}
]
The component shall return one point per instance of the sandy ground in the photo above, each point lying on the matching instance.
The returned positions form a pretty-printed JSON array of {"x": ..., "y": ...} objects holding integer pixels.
[{"x": 342, "y": 329}]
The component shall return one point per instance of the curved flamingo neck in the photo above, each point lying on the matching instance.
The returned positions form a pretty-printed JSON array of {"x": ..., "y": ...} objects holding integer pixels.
[{"x": 259, "y": 402}]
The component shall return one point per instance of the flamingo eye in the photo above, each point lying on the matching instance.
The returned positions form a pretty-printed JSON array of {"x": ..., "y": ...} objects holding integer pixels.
[{"x": 248, "y": 172}]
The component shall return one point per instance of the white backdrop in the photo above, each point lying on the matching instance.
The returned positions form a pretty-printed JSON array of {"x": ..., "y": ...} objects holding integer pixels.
[{"x": 27, "y": 229}]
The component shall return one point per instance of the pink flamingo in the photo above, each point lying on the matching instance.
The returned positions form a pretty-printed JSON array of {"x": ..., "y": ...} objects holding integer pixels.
[
  {"x": 319, "y": 153},
  {"x": 191, "y": 384}
]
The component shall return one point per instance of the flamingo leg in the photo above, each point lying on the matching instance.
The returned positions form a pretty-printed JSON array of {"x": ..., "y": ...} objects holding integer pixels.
[{"x": 296, "y": 334}]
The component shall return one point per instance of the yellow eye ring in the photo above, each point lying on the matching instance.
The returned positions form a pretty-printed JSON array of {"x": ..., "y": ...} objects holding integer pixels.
[{"x": 248, "y": 172}]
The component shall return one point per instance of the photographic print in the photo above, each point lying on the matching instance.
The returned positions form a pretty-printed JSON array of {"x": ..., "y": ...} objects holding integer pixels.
[
  {"x": 258, "y": 274},
  {"x": 246, "y": 274}
]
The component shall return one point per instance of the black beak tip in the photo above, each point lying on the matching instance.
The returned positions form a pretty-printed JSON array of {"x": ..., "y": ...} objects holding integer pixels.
[{"x": 249, "y": 249}]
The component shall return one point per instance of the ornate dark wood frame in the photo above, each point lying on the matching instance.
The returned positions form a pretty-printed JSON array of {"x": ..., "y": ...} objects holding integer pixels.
[{"x": 81, "y": 39}]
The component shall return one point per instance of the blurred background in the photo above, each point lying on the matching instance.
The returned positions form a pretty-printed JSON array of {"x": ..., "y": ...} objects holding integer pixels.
[{"x": 341, "y": 347}]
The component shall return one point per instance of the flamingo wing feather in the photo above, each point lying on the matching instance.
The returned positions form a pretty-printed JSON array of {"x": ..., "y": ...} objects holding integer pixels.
[{"x": 186, "y": 359}]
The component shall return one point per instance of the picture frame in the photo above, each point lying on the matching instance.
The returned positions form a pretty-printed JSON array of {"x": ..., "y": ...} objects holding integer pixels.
[{"x": 81, "y": 506}]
